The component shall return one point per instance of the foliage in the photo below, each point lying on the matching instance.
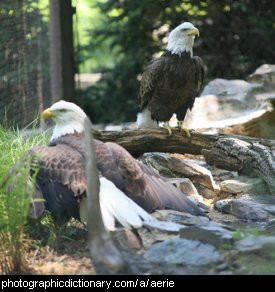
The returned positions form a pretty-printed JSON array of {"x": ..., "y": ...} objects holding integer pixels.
[
  {"x": 235, "y": 39},
  {"x": 14, "y": 203}
]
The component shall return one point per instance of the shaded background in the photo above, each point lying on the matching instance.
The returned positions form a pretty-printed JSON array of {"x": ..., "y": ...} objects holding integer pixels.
[{"x": 112, "y": 41}]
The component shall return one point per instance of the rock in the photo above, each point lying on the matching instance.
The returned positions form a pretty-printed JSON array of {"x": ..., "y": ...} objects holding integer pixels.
[
  {"x": 183, "y": 252},
  {"x": 256, "y": 255},
  {"x": 232, "y": 101},
  {"x": 187, "y": 187},
  {"x": 231, "y": 222},
  {"x": 264, "y": 74},
  {"x": 256, "y": 208},
  {"x": 270, "y": 228},
  {"x": 244, "y": 185},
  {"x": 262, "y": 126},
  {"x": 230, "y": 89},
  {"x": 179, "y": 217},
  {"x": 151, "y": 236},
  {"x": 173, "y": 166},
  {"x": 211, "y": 233},
  {"x": 194, "y": 171},
  {"x": 222, "y": 174},
  {"x": 207, "y": 193},
  {"x": 158, "y": 161},
  {"x": 164, "y": 226},
  {"x": 127, "y": 238},
  {"x": 256, "y": 244}
]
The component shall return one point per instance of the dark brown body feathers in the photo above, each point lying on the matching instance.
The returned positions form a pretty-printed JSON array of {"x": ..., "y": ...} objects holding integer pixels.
[
  {"x": 62, "y": 182},
  {"x": 170, "y": 85}
]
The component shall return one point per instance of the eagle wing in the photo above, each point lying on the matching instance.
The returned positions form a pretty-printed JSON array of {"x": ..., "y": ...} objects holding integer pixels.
[
  {"x": 199, "y": 74},
  {"x": 60, "y": 179},
  {"x": 143, "y": 185},
  {"x": 150, "y": 78}
]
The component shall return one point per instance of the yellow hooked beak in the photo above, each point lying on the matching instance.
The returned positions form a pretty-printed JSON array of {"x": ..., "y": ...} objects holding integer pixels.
[
  {"x": 48, "y": 114},
  {"x": 194, "y": 31}
]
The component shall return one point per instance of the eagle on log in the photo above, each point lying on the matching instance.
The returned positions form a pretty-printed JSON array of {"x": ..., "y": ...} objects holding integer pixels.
[
  {"x": 170, "y": 83},
  {"x": 129, "y": 190}
]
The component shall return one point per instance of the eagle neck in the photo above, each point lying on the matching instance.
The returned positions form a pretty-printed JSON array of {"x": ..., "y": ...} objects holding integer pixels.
[
  {"x": 62, "y": 130},
  {"x": 183, "y": 54},
  {"x": 178, "y": 46}
]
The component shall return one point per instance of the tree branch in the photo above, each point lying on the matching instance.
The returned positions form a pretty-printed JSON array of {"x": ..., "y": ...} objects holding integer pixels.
[{"x": 140, "y": 141}]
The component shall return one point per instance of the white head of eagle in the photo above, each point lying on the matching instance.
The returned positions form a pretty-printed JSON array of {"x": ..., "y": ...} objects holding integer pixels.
[
  {"x": 68, "y": 118},
  {"x": 181, "y": 39}
]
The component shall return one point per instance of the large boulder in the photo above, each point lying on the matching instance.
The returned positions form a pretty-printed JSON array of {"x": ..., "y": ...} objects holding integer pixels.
[
  {"x": 264, "y": 74},
  {"x": 236, "y": 102}
]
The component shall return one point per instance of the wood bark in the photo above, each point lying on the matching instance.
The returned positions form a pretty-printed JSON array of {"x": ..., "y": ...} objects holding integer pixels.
[
  {"x": 55, "y": 51},
  {"x": 140, "y": 141},
  {"x": 252, "y": 159},
  {"x": 61, "y": 50}
]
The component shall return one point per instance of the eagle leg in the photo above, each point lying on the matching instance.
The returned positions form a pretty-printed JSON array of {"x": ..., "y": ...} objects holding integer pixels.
[
  {"x": 169, "y": 129},
  {"x": 183, "y": 129}
]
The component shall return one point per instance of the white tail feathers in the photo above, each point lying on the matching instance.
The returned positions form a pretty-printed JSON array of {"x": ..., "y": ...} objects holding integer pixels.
[
  {"x": 116, "y": 206},
  {"x": 144, "y": 120}
]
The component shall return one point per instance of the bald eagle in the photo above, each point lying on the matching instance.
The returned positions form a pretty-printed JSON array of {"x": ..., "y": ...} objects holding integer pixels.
[
  {"x": 128, "y": 188},
  {"x": 171, "y": 82}
]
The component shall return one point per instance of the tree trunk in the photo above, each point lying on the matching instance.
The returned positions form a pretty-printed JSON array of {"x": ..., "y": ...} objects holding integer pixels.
[
  {"x": 252, "y": 159},
  {"x": 140, "y": 141},
  {"x": 61, "y": 50}
]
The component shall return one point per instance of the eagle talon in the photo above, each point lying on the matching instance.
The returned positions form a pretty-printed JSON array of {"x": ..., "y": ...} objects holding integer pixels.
[
  {"x": 183, "y": 129},
  {"x": 169, "y": 129}
]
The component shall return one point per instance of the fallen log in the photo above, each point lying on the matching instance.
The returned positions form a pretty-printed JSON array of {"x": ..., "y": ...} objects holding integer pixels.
[
  {"x": 252, "y": 159},
  {"x": 140, "y": 141}
]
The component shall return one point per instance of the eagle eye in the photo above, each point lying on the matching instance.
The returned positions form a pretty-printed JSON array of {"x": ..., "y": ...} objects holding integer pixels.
[{"x": 62, "y": 110}]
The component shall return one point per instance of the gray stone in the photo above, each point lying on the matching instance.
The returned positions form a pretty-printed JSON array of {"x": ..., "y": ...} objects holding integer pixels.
[
  {"x": 246, "y": 208},
  {"x": 127, "y": 238},
  {"x": 164, "y": 226},
  {"x": 244, "y": 185},
  {"x": 187, "y": 187},
  {"x": 255, "y": 243},
  {"x": 150, "y": 236},
  {"x": 158, "y": 161},
  {"x": 232, "y": 101},
  {"x": 264, "y": 74},
  {"x": 183, "y": 252},
  {"x": 207, "y": 193},
  {"x": 222, "y": 174},
  {"x": 170, "y": 165},
  {"x": 270, "y": 228},
  {"x": 212, "y": 233},
  {"x": 233, "y": 89},
  {"x": 179, "y": 217},
  {"x": 193, "y": 170}
]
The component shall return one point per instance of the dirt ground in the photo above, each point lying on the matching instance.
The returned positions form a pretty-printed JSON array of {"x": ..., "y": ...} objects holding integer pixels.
[
  {"x": 73, "y": 260},
  {"x": 66, "y": 254}
]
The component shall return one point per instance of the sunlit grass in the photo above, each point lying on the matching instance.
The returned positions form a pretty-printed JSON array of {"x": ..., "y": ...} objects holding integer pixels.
[{"x": 14, "y": 202}]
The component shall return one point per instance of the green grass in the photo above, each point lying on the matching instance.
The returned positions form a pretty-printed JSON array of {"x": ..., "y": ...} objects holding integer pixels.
[{"x": 14, "y": 204}]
